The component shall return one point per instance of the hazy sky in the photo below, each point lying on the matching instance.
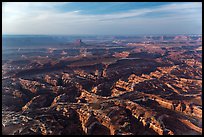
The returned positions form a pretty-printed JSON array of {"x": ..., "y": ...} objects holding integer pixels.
[{"x": 102, "y": 18}]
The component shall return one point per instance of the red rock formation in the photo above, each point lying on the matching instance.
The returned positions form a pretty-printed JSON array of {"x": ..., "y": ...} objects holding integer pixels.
[{"x": 123, "y": 54}]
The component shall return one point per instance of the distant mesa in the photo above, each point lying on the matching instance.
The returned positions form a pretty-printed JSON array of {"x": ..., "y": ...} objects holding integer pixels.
[
  {"x": 181, "y": 38},
  {"x": 123, "y": 54},
  {"x": 64, "y": 53},
  {"x": 199, "y": 39},
  {"x": 79, "y": 42}
]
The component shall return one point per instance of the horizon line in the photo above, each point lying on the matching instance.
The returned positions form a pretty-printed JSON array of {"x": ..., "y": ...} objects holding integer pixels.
[{"x": 99, "y": 34}]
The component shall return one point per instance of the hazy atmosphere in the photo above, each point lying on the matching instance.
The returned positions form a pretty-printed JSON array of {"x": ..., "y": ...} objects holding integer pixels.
[{"x": 102, "y": 18}]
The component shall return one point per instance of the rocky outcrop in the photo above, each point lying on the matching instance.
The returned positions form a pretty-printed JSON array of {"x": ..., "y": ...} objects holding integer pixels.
[
  {"x": 51, "y": 81},
  {"x": 32, "y": 86},
  {"x": 38, "y": 102}
]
